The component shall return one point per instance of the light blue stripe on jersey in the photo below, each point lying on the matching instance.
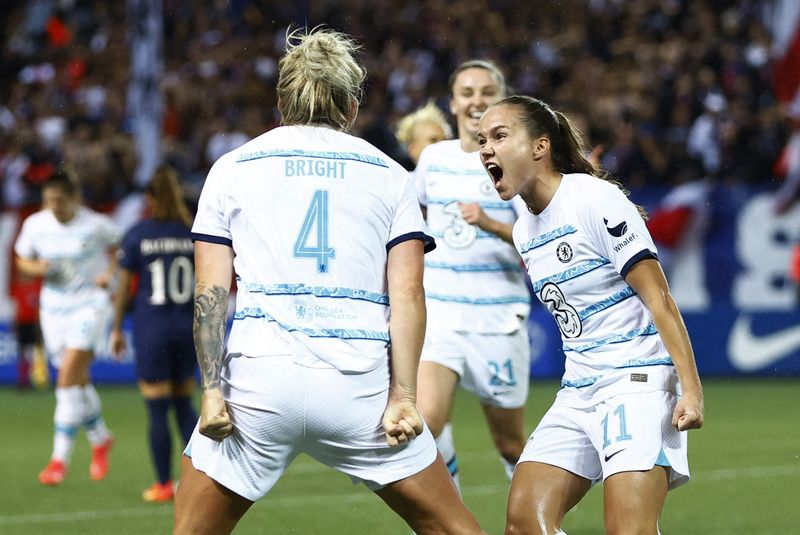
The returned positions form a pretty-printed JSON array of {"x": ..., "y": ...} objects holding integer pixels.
[
  {"x": 580, "y": 383},
  {"x": 546, "y": 238},
  {"x": 451, "y": 171},
  {"x": 317, "y": 291},
  {"x": 486, "y": 205},
  {"x": 505, "y": 300},
  {"x": 502, "y": 266},
  {"x": 479, "y": 235},
  {"x": 608, "y": 302},
  {"x": 344, "y": 334},
  {"x": 616, "y": 339},
  {"x": 327, "y": 155},
  {"x": 571, "y": 273},
  {"x": 638, "y": 363}
]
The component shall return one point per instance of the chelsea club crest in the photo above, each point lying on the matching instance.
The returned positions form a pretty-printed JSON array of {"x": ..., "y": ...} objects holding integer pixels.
[{"x": 564, "y": 252}]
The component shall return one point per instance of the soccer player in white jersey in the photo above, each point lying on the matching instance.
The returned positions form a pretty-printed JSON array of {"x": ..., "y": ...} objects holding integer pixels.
[
  {"x": 421, "y": 128},
  {"x": 72, "y": 248},
  {"x": 477, "y": 300},
  {"x": 630, "y": 388},
  {"x": 326, "y": 239}
]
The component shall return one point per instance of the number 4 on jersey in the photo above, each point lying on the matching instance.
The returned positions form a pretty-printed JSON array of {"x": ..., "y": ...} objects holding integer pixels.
[{"x": 316, "y": 217}]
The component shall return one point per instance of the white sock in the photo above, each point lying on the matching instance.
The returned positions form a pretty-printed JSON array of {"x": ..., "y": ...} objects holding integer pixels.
[
  {"x": 67, "y": 420},
  {"x": 96, "y": 429},
  {"x": 509, "y": 468},
  {"x": 447, "y": 447}
]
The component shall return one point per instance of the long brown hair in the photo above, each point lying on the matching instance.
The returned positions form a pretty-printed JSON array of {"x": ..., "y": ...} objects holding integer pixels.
[
  {"x": 166, "y": 193},
  {"x": 567, "y": 143}
]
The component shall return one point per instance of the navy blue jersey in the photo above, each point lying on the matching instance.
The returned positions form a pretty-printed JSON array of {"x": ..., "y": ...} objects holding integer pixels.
[{"x": 162, "y": 254}]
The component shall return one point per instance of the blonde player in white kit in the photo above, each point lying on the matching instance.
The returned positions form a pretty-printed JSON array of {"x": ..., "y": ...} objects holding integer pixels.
[
  {"x": 326, "y": 239},
  {"x": 71, "y": 248},
  {"x": 477, "y": 300},
  {"x": 630, "y": 388}
]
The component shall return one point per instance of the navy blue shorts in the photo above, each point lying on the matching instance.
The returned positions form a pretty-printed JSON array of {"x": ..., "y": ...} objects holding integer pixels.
[{"x": 164, "y": 354}]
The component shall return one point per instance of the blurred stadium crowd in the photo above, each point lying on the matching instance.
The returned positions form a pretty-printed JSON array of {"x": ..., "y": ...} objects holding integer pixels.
[{"x": 673, "y": 90}]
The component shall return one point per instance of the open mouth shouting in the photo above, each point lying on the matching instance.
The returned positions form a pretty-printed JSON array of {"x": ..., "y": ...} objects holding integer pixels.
[{"x": 495, "y": 171}]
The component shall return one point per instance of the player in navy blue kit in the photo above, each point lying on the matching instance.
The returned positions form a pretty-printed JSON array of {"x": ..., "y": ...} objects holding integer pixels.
[{"x": 160, "y": 251}]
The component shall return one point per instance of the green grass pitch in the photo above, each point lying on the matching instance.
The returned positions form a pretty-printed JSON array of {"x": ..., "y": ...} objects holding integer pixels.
[{"x": 745, "y": 473}]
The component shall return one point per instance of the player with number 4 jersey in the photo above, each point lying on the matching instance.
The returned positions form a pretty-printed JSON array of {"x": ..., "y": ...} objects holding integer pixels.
[{"x": 325, "y": 236}]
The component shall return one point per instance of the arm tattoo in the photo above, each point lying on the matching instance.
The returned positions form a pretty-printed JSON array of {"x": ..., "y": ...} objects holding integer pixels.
[{"x": 210, "y": 310}]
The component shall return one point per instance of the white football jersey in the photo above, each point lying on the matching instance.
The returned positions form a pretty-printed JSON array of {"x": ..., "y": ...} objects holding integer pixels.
[
  {"x": 577, "y": 252},
  {"x": 77, "y": 252},
  {"x": 473, "y": 280},
  {"x": 311, "y": 214}
]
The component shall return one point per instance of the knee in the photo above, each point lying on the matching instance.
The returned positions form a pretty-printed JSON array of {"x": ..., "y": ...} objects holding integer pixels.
[
  {"x": 510, "y": 448},
  {"x": 520, "y": 525}
]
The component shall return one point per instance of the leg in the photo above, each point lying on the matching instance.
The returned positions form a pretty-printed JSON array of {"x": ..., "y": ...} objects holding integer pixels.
[
  {"x": 506, "y": 427},
  {"x": 541, "y": 494},
  {"x": 633, "y": 501},
  {"x": 157, "y": 398},
  {"x": 429, "y": 502},
  {"x": 69, "y": 413},
  {"x": 203, "y": 506},
  {"x": 447, "y": 447},
  {"x": 436, "y": 385},
  {"x": 74, "y": 368},
  {"x": 184, "y": 409}
]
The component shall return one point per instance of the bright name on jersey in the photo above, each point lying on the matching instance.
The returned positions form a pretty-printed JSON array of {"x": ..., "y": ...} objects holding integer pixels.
[
  {"x": 309, "y": 167},
  {"x": 166, "y": 246}
]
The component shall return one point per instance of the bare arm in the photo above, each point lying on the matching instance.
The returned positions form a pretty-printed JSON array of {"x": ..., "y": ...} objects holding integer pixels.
[
  {"x": 401, "y": 420},
  {"x": 474, "y": 215},
  {"x": 104, "y": 279},
  {"x": 647, "y": 278},
  {"x": 32, "y": 267},
  {"x": 121, "y": 298},
  {"x": 213, "y": 271}
]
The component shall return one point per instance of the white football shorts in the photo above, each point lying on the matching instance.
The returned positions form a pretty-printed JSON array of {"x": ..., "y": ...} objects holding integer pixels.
[
  {"x": 495, "y": 367},
  {"x": 85, "y": 328},
  {"x": 627, "y": 432},
  {"x": 281, "y": 408}
]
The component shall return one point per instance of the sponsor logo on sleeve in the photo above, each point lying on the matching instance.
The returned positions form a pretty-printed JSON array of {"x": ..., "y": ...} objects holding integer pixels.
[{"x": 618, "y": 230}]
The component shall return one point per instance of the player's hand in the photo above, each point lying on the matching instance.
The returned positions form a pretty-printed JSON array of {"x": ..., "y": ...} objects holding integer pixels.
[
  {"x": 688, "y": 413},
  {"x": 401, "y": 422},
  {"x": 473, "y": 214},
  {"x": 118, "y": 344},
  {"x": 215, "y": 422}
]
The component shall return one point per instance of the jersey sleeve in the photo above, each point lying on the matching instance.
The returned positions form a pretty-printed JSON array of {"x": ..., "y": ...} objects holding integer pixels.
[
  {"x": 619, "y": 231},
  {"x": 419, "y": 176},
  {"x": 24, "y": 246},
  {"x": 408, "y": 223},
  {"x": 211, "y": 224}
]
